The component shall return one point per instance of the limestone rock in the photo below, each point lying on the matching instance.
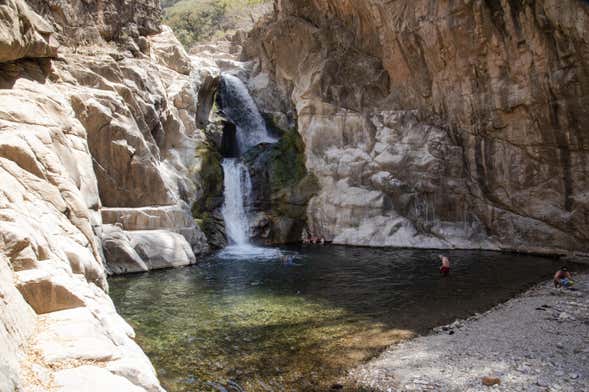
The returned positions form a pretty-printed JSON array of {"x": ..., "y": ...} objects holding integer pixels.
[
  {"x": 143, "y": 250},
  {"x": 281, "y": 189},
  {"x": 74, "y": 334},
  {"x": 128, "y": 369},
  {"x": 19, "y": 320},
  {"x": 23, "y": 33},
  {"x": 105, "y": 125},
  {"x": 118, "y": 250},
  {"x": 92, "y": 379},
  {"x": 166, "y": 48},
  {"x": 82, "y": 22},
  {"x": 161, "y": 249},
  {"x": 173, "y": 218},
  {"x": 48, "y": 292},
  {"x": 463, "y": 117}
]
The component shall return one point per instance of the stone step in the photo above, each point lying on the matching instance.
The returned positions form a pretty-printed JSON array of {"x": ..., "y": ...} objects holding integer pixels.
[{"x": 148, "y": 218}]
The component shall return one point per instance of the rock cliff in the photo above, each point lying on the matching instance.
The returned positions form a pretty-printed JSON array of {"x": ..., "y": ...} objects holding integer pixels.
[
  {"x": 98, "y": 171},
  {"x": 436, "y": 123}
]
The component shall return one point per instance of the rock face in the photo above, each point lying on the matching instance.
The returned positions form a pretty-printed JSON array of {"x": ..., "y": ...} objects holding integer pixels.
[
  {"x": 281, "y": 189},
  {"x": 23, "y": 33},
  {"x": 436, "y": 124},
  {"x": 99, "y": 171},
  {"x": 80, "y": 22}
]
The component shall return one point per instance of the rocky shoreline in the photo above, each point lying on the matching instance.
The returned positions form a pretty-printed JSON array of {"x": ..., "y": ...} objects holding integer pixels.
[{"x": 538, "y": 341}]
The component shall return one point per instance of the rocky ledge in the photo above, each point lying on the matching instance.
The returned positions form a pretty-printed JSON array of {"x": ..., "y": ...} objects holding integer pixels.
[{"x": 536, "y": 342}]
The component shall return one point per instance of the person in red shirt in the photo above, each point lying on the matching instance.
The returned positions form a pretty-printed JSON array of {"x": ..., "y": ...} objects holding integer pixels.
[
  {"x": 445, "y": 268},
  {"x": 563, "y": 278}
]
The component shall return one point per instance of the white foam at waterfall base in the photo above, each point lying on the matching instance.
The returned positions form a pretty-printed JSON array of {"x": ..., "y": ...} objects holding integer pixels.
[
  {"x": 241, "y": 110},
  {"x": 238, "y": 190}
]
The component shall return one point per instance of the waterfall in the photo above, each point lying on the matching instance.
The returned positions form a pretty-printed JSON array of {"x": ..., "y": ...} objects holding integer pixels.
[
  {"x": 239, "y": 108},
  {"x": 237, "y": 190}
]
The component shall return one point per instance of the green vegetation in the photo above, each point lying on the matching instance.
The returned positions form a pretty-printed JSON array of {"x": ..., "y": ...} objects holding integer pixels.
[
  {"x": 282, "y": 168},
  {"x": 211, "y": 197},
  {"x": 211, "y": 174},
  {"x": 288, "y": 161},
  {"x": 194, "y": 21},
  {"x": 284, "y": 161}
]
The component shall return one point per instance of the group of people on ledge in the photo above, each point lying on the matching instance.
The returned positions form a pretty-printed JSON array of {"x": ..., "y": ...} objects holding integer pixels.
[{"x": 312, "y": 239}]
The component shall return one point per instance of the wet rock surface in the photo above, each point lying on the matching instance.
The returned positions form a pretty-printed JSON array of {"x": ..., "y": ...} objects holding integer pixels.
[
  {"x": 282, "y": 188},
  {"x": 536, "y": 342}
]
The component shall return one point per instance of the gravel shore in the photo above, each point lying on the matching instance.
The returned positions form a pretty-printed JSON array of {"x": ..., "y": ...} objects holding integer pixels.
[{"x": 538, "y": 341}]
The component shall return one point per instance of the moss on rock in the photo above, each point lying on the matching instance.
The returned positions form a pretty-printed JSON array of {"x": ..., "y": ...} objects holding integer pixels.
[
  {"x": 282, "y": 186},
  {"x": 211, "y": 175},
  {"x": 204, "y": 209}
]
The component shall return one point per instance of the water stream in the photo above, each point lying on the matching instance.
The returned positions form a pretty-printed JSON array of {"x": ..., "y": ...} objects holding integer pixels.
[
  {"x": 237, "y": 185},
  {"x": 238, "y": 188},
  {"x": 240, "y": 108},
  {"x": 266, "y": 326}
]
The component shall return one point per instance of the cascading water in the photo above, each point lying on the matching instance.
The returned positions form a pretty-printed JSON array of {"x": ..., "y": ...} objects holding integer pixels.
[
  {"x": 237, "y": 188},
  {"x": 240, "y": 108}
]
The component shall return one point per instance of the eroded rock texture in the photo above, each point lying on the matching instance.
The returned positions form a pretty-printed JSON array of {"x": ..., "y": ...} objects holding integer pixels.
[
  {"x": 98, "y": 172},
  {"x": 436, "y": 123}
]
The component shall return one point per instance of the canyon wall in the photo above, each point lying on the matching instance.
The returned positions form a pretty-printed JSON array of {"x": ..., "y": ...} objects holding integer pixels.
[
  {"x": 436, "y": 123},
  {"x": 99, "y": 172}
]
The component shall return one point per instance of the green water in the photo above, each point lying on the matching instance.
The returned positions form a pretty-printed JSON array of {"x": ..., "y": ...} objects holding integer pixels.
[{"x": 258, "y": 325}]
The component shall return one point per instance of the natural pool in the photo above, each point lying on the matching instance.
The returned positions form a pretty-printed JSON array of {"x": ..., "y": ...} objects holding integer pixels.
[{"x": 255, "y": 324}]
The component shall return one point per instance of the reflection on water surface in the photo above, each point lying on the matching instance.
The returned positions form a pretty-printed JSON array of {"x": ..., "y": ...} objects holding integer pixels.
[{"x": 267, "y": 326}]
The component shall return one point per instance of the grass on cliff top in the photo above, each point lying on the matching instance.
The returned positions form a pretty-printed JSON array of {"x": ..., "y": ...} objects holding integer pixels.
[{"x": 196, "y": 21}]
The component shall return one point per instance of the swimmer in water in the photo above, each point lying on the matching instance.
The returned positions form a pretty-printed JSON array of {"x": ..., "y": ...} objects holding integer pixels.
[
  {"x": 445, "y": 268},
  {"x": 287, "y": 260}
]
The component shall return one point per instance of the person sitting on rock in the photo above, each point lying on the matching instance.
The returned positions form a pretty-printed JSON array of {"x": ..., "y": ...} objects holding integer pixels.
[
  {"x": 445, "y": 268},
  {"x": 563, "y": 278}
]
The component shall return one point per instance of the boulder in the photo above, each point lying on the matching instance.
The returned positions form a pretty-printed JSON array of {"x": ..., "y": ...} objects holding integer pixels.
[
  {"x": 177, "y": 219},
  {"x": 490, "y": 381},
  {"x": 144, "y": 250},
  {"x": 161, "y": 249},
  {"x": 119, "y": 252}
]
